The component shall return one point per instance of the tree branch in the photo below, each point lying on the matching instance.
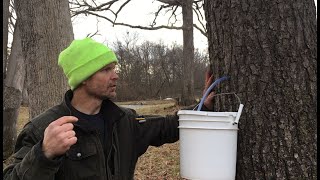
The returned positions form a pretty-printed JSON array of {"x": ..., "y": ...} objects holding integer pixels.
[
  {"x": 156, "y": 14},
  {"x": 202, "y": 31},
  {"x": 173, "y": 14},
  {"x": 199, "y": 14},
  {"x": 171, "y": 5},
  {"x": 172, "y": 2},
  {"x": 88, "y": 7},
  {"x": 135, "y": 26},
  {"x": 124, "y": 4}
]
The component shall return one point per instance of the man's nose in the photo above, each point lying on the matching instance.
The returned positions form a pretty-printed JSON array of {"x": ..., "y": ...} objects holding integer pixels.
[{"x": 115, "y": 75}]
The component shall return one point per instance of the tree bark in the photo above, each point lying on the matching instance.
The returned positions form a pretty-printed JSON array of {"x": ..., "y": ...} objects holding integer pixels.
[
  {"x": 5, "y": 32},
  {"x": 187, "y": 97},
  {"x": 14, "y": 83},
  {"x": 12, "y": 99},
  {"x": 269, "y": 50},
  {"x": 25, "y": 97},
  {"x": 46, "y": 30}
]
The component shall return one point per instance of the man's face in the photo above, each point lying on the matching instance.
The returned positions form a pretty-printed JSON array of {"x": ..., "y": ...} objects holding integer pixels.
[{"x": 102, "y": 84}]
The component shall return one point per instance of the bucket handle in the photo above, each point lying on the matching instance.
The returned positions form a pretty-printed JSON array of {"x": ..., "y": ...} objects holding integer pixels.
[
  {"x": 209, "y": 90},
  {"x": 236, "y": 121}
]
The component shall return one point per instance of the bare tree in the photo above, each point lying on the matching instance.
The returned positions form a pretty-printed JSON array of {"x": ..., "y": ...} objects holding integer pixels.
[
  {"x": 153, "y": 70},
  {"x": 46, "y": 30},
  {"x": 13, "y": 87},
  {"x": 269, "y": 49},
  {"x": 5, "y": 32},
  {"x": 85, "y": 7}
]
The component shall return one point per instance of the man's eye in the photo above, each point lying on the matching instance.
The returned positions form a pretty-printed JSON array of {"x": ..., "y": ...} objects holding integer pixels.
[{"x": 106, "y": 69}]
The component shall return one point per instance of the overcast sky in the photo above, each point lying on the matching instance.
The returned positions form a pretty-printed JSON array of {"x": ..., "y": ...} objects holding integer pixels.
[{"x": 138, "y": 12}]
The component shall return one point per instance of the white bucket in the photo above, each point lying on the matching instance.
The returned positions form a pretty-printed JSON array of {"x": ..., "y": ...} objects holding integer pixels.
[{"x": 208, "y": 144}]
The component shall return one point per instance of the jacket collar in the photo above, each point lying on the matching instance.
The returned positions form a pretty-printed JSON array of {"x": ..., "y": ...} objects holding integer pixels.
[{"x": 110, "y": 111}]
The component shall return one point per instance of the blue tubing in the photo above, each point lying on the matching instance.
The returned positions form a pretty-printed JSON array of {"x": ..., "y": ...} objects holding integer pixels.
[{"x": 209, "y": 90}]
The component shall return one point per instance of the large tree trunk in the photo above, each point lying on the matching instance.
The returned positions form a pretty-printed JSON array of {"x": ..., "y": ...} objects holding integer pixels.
[
  {"x": 25, "y": 98},
  {"x": 46, "y": 30},
  {"x": 13, "y": 94},
  {"x": 269, "y": 50},
  {"x": 187, "y": 97},
  {"x": 5, "y": 31}
]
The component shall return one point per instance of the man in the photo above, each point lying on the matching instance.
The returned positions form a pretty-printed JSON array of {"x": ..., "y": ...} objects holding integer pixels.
[{"x": 87, "y": 136}]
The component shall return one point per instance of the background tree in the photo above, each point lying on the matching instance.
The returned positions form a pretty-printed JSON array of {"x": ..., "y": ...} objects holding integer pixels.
[
  {"x": 96, "y": 9},
  {"x": 14, "y": 75},
  {"x": 153, "y": 70},
  {"x": 45, "y": 29},
  {"x": 13, "y": 87},
  {"x": 5, "y": 32},
  {"x": 269, "y": 50}
]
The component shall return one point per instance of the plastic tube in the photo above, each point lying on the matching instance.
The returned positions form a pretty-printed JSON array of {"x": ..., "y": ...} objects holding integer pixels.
[{"x": 209, "y": 90}]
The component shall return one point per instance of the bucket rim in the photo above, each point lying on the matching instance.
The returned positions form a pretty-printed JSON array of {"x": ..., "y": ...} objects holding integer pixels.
[
  {"x": 206, "y": 113},
  {"x": 208, "y": 128}
]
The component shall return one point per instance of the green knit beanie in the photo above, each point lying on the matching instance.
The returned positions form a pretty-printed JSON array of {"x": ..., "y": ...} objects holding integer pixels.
[{"x": 83, "y": 58}]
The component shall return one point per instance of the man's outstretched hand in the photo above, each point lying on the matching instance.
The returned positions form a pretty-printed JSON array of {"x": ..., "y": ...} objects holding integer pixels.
[{"x": 208, "y": 102}]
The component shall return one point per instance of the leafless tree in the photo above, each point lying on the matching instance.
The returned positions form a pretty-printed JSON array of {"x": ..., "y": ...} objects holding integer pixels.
[
  {"x": 5, "y": 33},
  {"x": 13, "y": 87},
  {"x": 45, "y": 29},
  {"x": 170, "y": 6},
  {"x": 13, "y": 84},
  {"x": 153, "y": 70}
]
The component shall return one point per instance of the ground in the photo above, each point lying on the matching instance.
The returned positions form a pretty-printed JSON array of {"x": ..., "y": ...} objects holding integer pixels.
[{"x": 158, "y": 162}]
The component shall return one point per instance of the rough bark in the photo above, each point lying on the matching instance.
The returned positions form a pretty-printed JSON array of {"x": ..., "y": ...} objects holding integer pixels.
[
  {"x": 25, "y": 97},
  {"x": 5, "y": 31},
  {"x": 269, "y": 50},
  {"x": 187, "y": 97},
  {"x": 14, "y": 83},
  {"x": 12, "y": 97},
  {"x": 46, "y": 30}
]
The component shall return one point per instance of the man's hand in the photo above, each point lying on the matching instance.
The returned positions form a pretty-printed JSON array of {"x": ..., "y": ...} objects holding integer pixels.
[
  {"x": 209, "y": 80},
  {"x": 59, "y": 136}
]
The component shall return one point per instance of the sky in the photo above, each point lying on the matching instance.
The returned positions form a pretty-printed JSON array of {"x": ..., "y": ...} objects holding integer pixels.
[{"x": 138, "y": 12}]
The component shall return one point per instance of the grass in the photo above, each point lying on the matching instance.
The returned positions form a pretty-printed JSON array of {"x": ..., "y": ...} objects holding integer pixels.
[{"x": 158, "y": 162}]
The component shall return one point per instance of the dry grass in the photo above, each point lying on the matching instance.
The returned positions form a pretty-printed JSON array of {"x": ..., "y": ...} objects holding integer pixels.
[
  {"x": 158, "y": 162},
  {"x": 22, "y": 118}
]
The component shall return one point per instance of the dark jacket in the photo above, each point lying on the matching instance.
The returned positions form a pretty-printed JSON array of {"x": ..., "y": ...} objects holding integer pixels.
[{"x": 127, "y": 139}]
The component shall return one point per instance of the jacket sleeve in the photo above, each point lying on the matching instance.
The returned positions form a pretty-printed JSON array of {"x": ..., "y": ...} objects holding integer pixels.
[
  {"x": 156, "y": 131},
  {"x": 29, "y": 160}
]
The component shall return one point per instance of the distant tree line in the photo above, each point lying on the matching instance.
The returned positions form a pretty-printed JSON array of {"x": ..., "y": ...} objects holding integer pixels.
[{"x": 154, "y": 70}]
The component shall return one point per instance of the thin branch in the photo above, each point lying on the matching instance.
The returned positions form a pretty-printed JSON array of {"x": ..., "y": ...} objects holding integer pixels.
[
  {"x": 135, "y": 26},
  {"x": 156, "y": 14},
  {"x": 200, "y": 20},
  {"x": 124, "y": 4},
  {"x": 101, "y": 7},
  {"x": 200, "y": 17},
  {"x": 202, "y": 31},
  {"x": 173, "y": 14},
  {"x": 197, "y": 1},
  {"x": 109, "y": 4},
  {"x": 172, "y": 2},
  {"x": 97, "y": 31},
  {"x": 197, "y": 10},
  {"x": 93, "y": 1}
]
